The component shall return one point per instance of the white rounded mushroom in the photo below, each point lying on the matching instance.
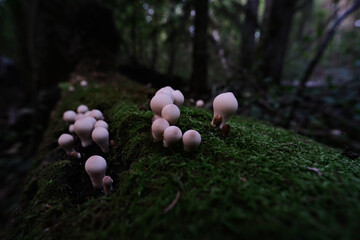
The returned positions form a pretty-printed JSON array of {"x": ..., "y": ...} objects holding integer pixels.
[
  {"x": 79, "y": 115},
  {"x": 69, "y": 116},
  {"x": 166, "y": 91},
  {"x": 101, "y": 123},
  {"x": 97, "y": 114},
  {"x": 95, "y": 167},
  {"x": 159, "y": 101},
  {"x": 224, "y": 105},
  {"x": 191, "y": 140},
  {"x": 107, "y": 184},
  {"x": 155, "y": 117},
  {"x": 83, "y": 83},
  {"x": 82, "y": 109},
  {"x": 83, "y": 128},
  {"x": 66, "y": 142},
  {"x": 178, "y": 98},
  {"x": 199, "y": 103},
  {"x": 71, "y": 128},
  {"x": 100, "y": 136},
  {"x": 172, "y": 135},
  {"x": 158, "y": 127},
  {"x": 171, "y": 113}
]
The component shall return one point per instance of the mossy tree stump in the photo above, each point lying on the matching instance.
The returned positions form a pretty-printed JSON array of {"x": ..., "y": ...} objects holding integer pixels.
[{"x": 259, "y": 182}]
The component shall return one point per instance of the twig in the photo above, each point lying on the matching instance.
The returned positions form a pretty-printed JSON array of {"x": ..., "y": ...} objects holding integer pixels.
[{"x": 173, "y": 203}]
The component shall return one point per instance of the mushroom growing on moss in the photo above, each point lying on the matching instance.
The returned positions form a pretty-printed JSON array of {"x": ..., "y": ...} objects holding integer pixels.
[
  {"x": 69, "y": 116},
  {"x": 66, "y": 142},
  {"x": 172, "y": 135},
  {"x": 83, "y": 128},
  {"x": 224, "y": 105},
  {"x": 199, "y": 103},
  {"x": 158, "y": 127},
  {"x": 178, "y": 98},
  {"x": 95, "y": 167},
  {"x": 191, "y": 140},
  {"x": 101, "y": 123},
  {"x": 171, "y": 113},
  {"x": 107, "y": 184},
  {"x": 82, "y": 109},
  {"x": 100, "y": 136},
  {"x": 97, "y": 114},
  {"x": 159, "y": 101}
]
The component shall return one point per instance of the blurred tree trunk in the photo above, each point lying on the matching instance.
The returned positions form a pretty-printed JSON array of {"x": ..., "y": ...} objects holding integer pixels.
[
  {"x": 305, "y": 19},
  {"x": 274, "y": 39},
  {"x": 198, "y": 82},
  {"x": 248, "y": 34}
]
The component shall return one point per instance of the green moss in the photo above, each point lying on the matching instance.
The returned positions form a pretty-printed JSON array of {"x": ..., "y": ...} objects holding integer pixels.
[{"x": 253, "y": 184}]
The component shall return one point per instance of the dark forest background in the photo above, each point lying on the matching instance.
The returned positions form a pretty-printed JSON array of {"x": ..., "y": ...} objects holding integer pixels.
[{"x": 295, "y": 64}]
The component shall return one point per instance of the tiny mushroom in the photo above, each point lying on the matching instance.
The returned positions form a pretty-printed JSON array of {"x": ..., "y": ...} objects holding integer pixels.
[
  {"x": 199, "y": 103},
  {"x": 191, "y": 140},
  {"x": 83, "y": 128},
  {"x": 172, "y": 135},
  {"x": 107, "y": 184},
  {"x": 158, "y": 127},
  {"x": 95, "y": 167},
  {"x": 71, "y": 128},
  {"x": 83, "y": 83},
  {"x": 101, "y": 123},
  {"x": 159, "y": 101},
  {"x": 82, "y": 109},
  {"x": 155, "y": 117},
  {"x": 66, "y": 142},
  {"x": 97, "y": 114},
  {"x": 100, "y": 136},
  {"x": 69, "y": 116},
  {"x": 171, "y": 113},
  {"x": 224, "y": 105},
  {"x": 167, "y": 91},
  {"x": 178, "y": 98}
]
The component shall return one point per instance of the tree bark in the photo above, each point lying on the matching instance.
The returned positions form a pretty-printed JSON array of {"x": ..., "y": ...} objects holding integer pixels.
[
  {"x": 198, "y": 84},
  {"x": 248, "y": 34},
  {"x": 274, "y": 39}
]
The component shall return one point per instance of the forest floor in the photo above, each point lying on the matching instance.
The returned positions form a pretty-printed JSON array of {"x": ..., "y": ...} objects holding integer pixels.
[{"x": 259, "y": 181}]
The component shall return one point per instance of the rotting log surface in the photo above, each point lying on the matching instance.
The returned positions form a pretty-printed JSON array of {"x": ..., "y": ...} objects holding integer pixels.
[{"x": 259, "y": 182}]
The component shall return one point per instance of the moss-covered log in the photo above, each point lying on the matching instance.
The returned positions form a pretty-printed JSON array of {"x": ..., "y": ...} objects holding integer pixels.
[{"x": 260, "y": 181}]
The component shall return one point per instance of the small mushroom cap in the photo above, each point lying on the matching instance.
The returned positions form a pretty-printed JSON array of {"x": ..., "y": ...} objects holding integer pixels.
[
  {"x": 82, "y": 109},
  {"x": 97, "y": 114},
  {"x": 159, "y": 101},
  {"x": 166, "y": 91},
  {"x": 71, "y": 128},
  {"x": 107, "y": 184},
  {"x": 191, "y": 140},
  {"x": 83, "y": 83},
  {"x": 172, "y": 135},
  {"x": 95, "y": 167},
  {"x": 225, "y": 105},
  {"x": 101, "y": 123},
  {"x": 69, "y": 116},
  {"x": 83, "y": 128},
  {"x": 155, "y": 117},
  {"x": 100, "y": 136},
  {"x": 199, "y": 103},
  {"x": 178, "y": 98},
  {"x": 66, "y": 142},
  {"x": 79, "y": 115},
  {"x": 171, "y": 113},
  {"x": 158, "y": 127}
]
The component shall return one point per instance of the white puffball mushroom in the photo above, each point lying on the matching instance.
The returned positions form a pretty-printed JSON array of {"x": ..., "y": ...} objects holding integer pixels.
[
  {"x": 82, "y": 109},
  {"x": 66, "y": 142},
  {"x": 97, "y": 114},
  {"x": 71, "y": 88},
  {"x": 88, "y": 113},
  {"x": 83, "y": 83},
  {"x": 83, "y": 128},
  {"x": 107, "y": 184},
  {"x": 155, "y": 117},
  {"x": 159, "y": 101},
  {"x": 79, "y": 115},
  {"x": 95, "y": 167},
  {"x": 166, "y": 91},
  {"x": 199, "y": 103},
  {"x": 191, "y": 140},
  {"x": 172, "y": 135},
  {"x": 158, "y": 127},
  {"x": 171, "y": 113},
  {"x": 178, "y": 98},
  {"x": 224, "y": 105},
  {"x": 69, "y": 116},
  {"x": 101, "y": 123},
  {"x": 100, "y": 136},
  {"x": 71, "y": 128}
]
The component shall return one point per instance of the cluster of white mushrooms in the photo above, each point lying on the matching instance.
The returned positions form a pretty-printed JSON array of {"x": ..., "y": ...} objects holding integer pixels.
[
  {"x": 89, "y": 126},
  {"x": 165, "y": 106}
]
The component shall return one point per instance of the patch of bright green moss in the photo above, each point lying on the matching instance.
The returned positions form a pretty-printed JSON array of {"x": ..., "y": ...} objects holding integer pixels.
[{"x": 255, "y": 183}]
